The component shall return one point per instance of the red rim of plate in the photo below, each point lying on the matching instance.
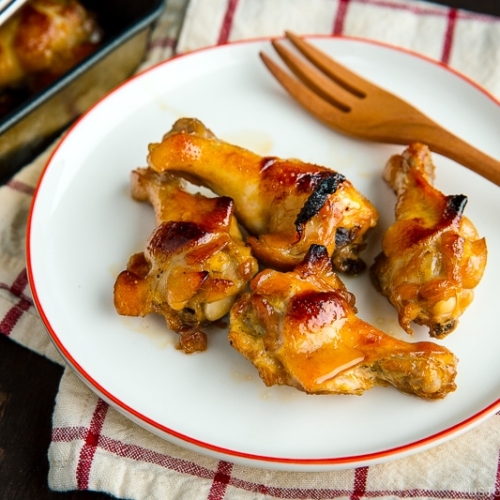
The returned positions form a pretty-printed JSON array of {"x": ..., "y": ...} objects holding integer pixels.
[{"x": 350, "y": 460}]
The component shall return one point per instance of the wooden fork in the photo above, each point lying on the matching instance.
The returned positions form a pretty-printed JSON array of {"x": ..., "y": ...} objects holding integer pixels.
[{"x": 356, "y": 107}]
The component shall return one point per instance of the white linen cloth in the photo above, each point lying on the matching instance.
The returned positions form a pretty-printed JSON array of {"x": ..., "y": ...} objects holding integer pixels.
[{"x": 94, "y": 447}]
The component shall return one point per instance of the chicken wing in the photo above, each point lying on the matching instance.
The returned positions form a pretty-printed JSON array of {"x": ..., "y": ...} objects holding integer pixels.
[
  {"x": 194, "y": 265},
  {"x": 285, "y": 205},
  {"x": 432, "y": 257},
  {"x": 43, "y": 40},
  {"x": 300, "y": 329}
]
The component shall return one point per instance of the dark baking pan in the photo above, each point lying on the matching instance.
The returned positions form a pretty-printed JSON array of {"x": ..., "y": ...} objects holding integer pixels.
[{"x": 28, "y": 128}]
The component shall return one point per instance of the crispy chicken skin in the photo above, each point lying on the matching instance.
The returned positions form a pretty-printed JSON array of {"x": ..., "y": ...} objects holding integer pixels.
[
  {"x": 43, "y": 40},
  {"x": 285, "y": 205},
  {"x": 432, "y": 256},
  {"x": 300, "y": 329},
  {"x": 194, "y": 265}
]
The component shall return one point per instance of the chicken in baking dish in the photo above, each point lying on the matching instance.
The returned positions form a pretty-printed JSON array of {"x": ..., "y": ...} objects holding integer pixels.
[
  {"x": 194, "y": 265},
  {"x": 285, "y": 205},
  {"x": 43, "y": 40},
  {"x": 432, "y": 256},
  {"x": 300, "y": 329}
]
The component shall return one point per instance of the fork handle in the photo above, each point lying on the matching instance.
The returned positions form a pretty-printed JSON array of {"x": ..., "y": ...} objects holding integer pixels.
[{"x": 445, "y": 143}]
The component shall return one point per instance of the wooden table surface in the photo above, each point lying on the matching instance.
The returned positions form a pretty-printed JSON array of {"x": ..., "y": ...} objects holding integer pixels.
[{"x": 28, "y": 386}]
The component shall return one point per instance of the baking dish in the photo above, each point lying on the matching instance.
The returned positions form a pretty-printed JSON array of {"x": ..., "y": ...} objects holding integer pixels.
[{"x": 28, "y": 128}]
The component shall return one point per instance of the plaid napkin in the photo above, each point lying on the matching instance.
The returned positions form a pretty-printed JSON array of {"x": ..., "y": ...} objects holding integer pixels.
[{"x": 96, "y": 448}]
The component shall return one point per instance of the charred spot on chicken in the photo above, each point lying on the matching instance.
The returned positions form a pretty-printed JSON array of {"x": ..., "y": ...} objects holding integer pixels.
[{"x": 325, "y": 185}]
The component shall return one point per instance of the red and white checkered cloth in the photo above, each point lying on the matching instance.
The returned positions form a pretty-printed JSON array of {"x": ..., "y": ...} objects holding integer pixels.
[{"x": 94, "y": 447}]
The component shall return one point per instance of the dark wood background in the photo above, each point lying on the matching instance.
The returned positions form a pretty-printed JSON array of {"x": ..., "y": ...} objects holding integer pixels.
[
  {"x": 491, "y": 7},
  {"x": 28, "y": 386}
]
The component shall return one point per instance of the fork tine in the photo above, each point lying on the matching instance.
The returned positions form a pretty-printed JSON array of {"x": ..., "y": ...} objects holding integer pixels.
[
  {"x": 313, "y": 103},
  {"x": 315, "y": 80},
  {"x": 340, "y": 74}
]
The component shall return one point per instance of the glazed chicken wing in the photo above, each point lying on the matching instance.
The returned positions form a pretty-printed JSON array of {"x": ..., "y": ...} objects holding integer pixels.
[
  {"x": 195, "y": 262},
  {"x": 285, "y": 205},
  {"x": 432, "y": 256},
  {"x": 300, "y": 329},
  {"x": 43, "y": 40}
]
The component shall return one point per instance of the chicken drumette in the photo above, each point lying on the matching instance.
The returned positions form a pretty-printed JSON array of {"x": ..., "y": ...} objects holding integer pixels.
[
  {"x": 195, "y": 263},
  {"x": 285, "y": 205},
  {"x": 432, "y": 256},
  {"x": 43, "y": 40},
  {"x": 300, "y": 329}
]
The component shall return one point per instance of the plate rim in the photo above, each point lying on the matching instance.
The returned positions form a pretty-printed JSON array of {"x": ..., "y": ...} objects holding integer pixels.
[{"x": 245, "y": 458}]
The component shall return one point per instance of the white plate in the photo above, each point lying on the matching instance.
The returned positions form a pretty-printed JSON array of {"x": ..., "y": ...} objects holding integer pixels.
[{"x": 84, "y": 226}]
